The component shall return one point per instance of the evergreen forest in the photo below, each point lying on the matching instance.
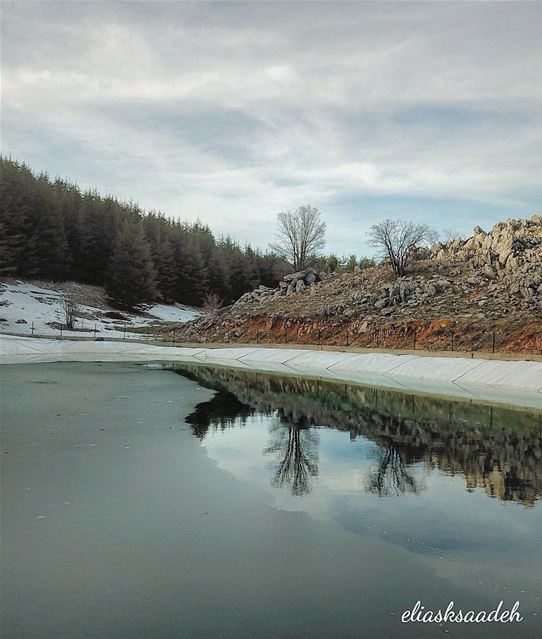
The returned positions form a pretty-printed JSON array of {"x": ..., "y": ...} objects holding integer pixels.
[{"x": 51, "y": 229}]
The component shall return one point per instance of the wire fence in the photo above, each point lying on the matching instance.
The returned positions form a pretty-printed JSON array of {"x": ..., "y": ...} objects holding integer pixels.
[
  {"x": 447, "y": 338},
  {"x": 452, "y": 338},
  {"x": 89, "y": 331}
]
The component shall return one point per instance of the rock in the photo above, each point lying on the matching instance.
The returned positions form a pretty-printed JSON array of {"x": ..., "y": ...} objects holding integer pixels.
[
  {"x": 404, "y": 291},
  {"x": 301, "y": 275},
  {"x": 504, "y": 255},
  {"x": 115, "y": 315},
  {"x": 489, "y": 272},
  {"x": 299, "y": 286},
  {"x": 330, "y": 311},
  {"x": 363, "y": 327}
]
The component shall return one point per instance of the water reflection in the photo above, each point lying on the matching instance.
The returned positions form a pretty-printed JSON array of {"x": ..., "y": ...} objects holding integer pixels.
[
  {"x": 296, "y": 449},
  {"x": 392, "y": 476},
  {"x": 497, "y": 449}
]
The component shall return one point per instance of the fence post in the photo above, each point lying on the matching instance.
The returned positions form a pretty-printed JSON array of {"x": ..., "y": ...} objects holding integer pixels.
[
  {"x": 452, "y": 340},
  {"x": 319, "y": 336},
  {"x": 347, "y": 336},
  {"x": 377, "y": 336},
  {"x": 124, "y": 336},
  {"x": 95, "y": 331},
  {"x": 493, "y": 342},
  {"x": 32, "y": 329},
  {"x": 414, "y": 338}
]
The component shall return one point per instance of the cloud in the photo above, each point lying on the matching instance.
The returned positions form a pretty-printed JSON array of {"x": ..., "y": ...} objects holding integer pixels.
[{"x": 231, "y": 112}]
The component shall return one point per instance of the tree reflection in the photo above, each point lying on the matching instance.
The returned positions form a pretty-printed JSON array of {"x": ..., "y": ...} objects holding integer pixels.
[
  {"x": 495, "y": 448},
  {"x": 221, "y": 411},
  {"x": 392, "y": 477},
  {"x": 296, "y": 447}
]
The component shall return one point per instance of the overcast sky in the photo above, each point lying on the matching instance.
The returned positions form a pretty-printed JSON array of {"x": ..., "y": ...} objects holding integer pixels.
[{"x": 233, "y": 112}]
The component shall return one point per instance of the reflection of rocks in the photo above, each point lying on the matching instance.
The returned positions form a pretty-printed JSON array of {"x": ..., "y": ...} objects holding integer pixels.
[{"x": 497, "y": 449}]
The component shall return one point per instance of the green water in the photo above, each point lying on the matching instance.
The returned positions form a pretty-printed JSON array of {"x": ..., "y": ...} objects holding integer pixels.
[{"x": 148, "y": 502}]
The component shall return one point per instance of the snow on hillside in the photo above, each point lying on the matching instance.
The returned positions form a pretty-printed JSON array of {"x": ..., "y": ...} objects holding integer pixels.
[
  {"x": 177, "y": 313},
  {"x": 27, "y": 309}
]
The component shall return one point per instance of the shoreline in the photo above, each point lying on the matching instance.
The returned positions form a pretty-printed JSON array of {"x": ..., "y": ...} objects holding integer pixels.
[
  {"x": 421, "y": 352},
  {"x": 499, "y": 381}
]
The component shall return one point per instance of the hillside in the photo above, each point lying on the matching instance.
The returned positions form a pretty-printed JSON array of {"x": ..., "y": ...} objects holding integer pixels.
[
  {"x": 479, "y": 293},
  {"x": 51, "y": 230},
  {"x": 36, "y": 308}
]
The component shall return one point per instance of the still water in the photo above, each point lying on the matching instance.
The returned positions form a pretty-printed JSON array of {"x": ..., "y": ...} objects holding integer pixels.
[
  {"x": 457, "y": 484},
  {"x": 169, "y": 502}
]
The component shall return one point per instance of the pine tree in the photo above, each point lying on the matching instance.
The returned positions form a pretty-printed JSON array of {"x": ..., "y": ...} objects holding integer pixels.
[
  {"x": 98, "y": 233},
  {"x": 218, "y": 280},
  {"x": 191, "y": 274},
  {"x": 49, "y": 254},
  {"x": 166, "y": 272},
  {"x": 50, "y": 229},
  {"x": 132, "y": 278},
  {"x": 242, "y": 276},
  {"x": 16, "y": 189},
  {"x": 7, "y": 262}
]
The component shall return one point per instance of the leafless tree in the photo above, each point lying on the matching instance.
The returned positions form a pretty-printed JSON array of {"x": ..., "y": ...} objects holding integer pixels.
[
  {"x": 300, "y": 235},
  {"x": 211, "y": 302},
  {"x": 70, "y": 309},
  {"x": 448, "y": 235},
  {"x": 296, "y": 447},
  {"x": 398, "y": 241}
]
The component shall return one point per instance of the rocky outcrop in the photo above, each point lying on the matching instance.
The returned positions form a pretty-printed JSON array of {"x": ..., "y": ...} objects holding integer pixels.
[
  {"x": 292, "y": 283},
  {"x": 510, "y": 253},
  {"x": 489, "y": 282}
]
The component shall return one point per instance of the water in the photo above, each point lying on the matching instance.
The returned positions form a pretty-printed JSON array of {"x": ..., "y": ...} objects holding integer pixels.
[
  {"x": 457, "y": 484},
  {"x": 167, "y": 502}
]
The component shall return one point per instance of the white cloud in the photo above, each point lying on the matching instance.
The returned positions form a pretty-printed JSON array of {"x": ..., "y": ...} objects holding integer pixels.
[{"x": 231, "y": 113}]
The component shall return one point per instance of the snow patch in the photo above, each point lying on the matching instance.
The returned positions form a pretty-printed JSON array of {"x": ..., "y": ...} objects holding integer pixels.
[
  {"x": 28, "y": 309},
  {"x": 176, "y": 313}
]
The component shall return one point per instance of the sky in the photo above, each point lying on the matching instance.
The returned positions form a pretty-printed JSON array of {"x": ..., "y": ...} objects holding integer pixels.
[{"x": 232, "y": 112}]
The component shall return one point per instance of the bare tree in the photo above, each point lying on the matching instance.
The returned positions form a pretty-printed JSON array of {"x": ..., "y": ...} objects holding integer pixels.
[
  {"x": 211, "y": 302},
  {"x": 300, "y": 235},
  {"x": 393, "y": 476},
  {"x": 296, "y": 447},
  {"x": 448, "y": 235},
  {"x": 70, "y": 309},
  {"x": 398, "y": 241}
]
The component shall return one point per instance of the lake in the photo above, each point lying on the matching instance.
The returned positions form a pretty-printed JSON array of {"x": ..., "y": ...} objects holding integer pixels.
[{"x": 189, "y": 501}]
